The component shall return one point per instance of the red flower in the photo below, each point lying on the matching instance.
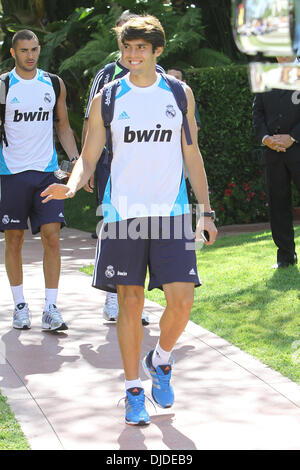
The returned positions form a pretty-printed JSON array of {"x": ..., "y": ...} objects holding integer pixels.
[
  {"x": 250, "y": 196},
  {"x": 228, "y": 192},
  {"x": 231, "y": 185},
  {"x": 246, "y": 186}
]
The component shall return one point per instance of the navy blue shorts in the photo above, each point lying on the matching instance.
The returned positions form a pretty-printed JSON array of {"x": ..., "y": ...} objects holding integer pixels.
[
  {"x": 20, "y": 199},
  {"x": 163, "y": 245}
]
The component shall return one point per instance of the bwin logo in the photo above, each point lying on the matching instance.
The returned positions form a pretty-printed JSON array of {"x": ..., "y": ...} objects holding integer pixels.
[
  {"x": 155, "y": 135},
  {"x": 39, "y": 115}
]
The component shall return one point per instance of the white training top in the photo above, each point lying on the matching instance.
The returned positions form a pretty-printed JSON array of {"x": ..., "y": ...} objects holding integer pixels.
[
  {"x": 29, "y": 125},
  {"x": 147, "y": 166}
]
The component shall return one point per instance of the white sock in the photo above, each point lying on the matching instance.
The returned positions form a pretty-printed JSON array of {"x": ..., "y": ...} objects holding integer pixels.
[
  {"x": 160, "y": 356},
  {"x": 133, "y": 383},
  {"x": 18, "y": 296},
  {"x": 50, "y": 297}
]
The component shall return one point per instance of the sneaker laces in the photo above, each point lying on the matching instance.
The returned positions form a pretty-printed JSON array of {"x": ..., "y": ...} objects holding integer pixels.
[
  {"x": 22, "y": 313},
  {"x": 138, "y": 400},
  {"x": 164, "y": 379},
  {"x": 55, "y": 313}
]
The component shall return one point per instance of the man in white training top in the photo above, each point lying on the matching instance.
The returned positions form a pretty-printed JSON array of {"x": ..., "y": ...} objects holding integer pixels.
[
  {"x": 28, "y": 161},
  {"x": 146, "y": 219}
]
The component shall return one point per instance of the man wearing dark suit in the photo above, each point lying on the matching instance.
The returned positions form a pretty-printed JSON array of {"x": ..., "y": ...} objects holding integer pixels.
[{"x": 276, "y": 120}]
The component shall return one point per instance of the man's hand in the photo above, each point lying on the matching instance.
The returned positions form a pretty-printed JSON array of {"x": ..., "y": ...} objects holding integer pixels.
[
  {"x": 206, "y": 225},
  {"x": 279, "y": 142},
  {"x": 57, "y": 191},
  {"x": 90, "y": 186},
  {"x": 283, "y": 140},
  {"x": 274, "y": 144}
]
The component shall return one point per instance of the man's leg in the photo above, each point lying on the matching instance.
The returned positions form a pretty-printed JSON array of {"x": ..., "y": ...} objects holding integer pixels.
[
  {"x": 14, "y": 240},
  {"x": 129, "y": 327},
  {"x": 295, "y": 171},
  {"x": 51, "y": 261},
  {"x": 180, "y": 298},
  {"x": 130, "y": 335},
  {"x": 50, "y": 234},
  {"x": 280, "y": 207},
  {"x": 158, "y": 363}
]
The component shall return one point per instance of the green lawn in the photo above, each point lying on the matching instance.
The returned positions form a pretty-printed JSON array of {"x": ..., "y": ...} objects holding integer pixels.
[
  {"x": 246, "y": 302},
  {"x": 11, "y": 436}
]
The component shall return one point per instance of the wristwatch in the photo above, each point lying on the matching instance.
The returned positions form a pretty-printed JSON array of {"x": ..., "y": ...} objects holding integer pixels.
[
  {"x": 210, "y": 214},
  {"x": 74, "y": 159}
]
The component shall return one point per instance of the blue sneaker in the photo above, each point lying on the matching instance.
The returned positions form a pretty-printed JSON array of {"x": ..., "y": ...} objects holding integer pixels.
[
  {"x": 136, "y": 414},
  {"x": 162, "y": 391}
]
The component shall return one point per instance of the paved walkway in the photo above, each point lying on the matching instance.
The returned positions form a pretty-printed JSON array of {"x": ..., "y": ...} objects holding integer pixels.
[{"x": 64, "y": 388}]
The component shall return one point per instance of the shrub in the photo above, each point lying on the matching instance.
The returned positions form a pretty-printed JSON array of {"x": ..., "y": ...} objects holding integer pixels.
[{"x": 244, "y": 202}]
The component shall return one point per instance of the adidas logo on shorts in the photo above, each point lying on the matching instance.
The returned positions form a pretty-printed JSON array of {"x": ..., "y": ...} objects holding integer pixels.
[{"x": 192, "y": 272}]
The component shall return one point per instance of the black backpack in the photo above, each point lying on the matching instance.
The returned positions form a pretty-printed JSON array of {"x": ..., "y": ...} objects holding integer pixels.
[
  {"x": 108, "y": 105},
  {"x": 4, "y": 86}
]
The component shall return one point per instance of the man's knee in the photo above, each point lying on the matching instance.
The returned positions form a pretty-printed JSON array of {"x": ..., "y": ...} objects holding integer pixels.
[
  {"x": 130, "y": 298},
  {"x": 181, "y": 300},
  {"x": 14, "y": 240},
  {"x": 50, "y": 237},
  {"x": 183, "y": 305}
]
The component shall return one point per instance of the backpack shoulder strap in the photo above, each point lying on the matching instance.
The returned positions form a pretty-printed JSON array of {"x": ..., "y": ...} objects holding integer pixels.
[
  {"x": 4, "y": 87},
  {"x": 180, "y": 97},
  {"x": 56, "y": 87},
  {"x": 108, "y": 101},
  {"x": 107, "y": 110},
  {"x": 109, "y": 72}
]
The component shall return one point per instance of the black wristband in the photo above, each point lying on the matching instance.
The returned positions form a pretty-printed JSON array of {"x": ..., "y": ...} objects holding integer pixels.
[{"x": 210, "y": 214}]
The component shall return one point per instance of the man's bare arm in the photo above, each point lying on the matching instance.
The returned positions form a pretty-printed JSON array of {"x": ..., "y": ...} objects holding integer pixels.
[
  {"x": 62, "y": 126},
  {"x": 85, "y": 166},
  {"x": 195, "y": 167}
]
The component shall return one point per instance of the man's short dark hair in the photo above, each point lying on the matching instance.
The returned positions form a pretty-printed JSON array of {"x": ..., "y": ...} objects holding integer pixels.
[
  {"x": 145, "y": 27},
  {"x": 126, "y": 15},
  {"x": 179, "y": 70},
  {"x": 24, "y": 34}
]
